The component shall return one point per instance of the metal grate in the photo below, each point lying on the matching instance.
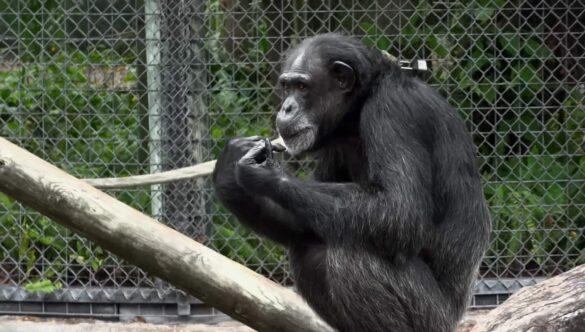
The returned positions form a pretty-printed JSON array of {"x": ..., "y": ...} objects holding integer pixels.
[{"x": 112, "y": 88}]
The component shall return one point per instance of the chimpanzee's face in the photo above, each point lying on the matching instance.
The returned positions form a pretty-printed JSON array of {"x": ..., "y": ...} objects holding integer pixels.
[{"x": 314, "y": 98}]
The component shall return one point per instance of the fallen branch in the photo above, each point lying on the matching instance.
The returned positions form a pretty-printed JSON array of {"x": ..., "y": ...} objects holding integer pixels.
[
  {"x": 185, "y": 173},
  {"x": 148, "y": 244}
]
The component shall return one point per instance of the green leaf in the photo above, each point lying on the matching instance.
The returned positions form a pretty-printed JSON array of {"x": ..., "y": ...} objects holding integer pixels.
[
  {"x": 512, "y": 43},
  {"x": 96, "y": 264},
  {"x": 5, "y": 200},
  {"x": 438, "y": 45},
  {"x": 217, "y": 133},
  {"x": 528, "y": 74},
  {"x": 368, "y": 27},
  {"x": 129, "y": 77},
  {"x": 42, "y": 286},
  {"x": 46, "y": 240},
  {"x": 515, "y": 244},
  {"x": 530, "y": 77},
  {"x": 485, "y": 14},
  {"x": 487, "y": 91},
  {"x": 383, "y": 43},
  {"x": 370, "y": 30},
  {"x": 534, "y": 47}
]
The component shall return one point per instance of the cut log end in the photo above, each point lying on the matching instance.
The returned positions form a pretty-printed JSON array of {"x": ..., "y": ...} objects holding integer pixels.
[{"x": 556, "y": 305}]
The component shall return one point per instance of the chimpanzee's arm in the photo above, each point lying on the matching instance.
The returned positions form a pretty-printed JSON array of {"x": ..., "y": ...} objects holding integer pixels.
[{"x": 393, "y": 212}]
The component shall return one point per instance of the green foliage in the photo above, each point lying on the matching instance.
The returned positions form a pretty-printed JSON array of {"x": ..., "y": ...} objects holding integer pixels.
[
  {"x": 42, "y": 286},
  {"x": 238, "y": 87},
  {"x": 240, "y": 105},
  {"x": 65, "y": 118},
  {"x": 528, "y": 123},
  {"x": 56, "y": 110}
]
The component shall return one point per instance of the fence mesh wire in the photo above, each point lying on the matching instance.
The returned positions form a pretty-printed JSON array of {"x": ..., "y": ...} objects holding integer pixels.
[{"x": 113, "y": 88}]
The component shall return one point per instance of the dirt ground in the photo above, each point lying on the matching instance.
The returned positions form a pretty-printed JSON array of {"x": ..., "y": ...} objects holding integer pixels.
[{"x": 33, "y": 324}]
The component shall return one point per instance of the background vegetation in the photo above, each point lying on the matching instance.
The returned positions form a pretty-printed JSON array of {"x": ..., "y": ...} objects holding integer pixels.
[{"x": 82, "y": 106}]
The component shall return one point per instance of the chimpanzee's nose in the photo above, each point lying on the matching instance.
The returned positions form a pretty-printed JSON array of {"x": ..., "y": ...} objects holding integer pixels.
[
  {"x": 287, "y": 108},
  {"x": 289, "y": 105},
  {"x": 288, "y": 114}
]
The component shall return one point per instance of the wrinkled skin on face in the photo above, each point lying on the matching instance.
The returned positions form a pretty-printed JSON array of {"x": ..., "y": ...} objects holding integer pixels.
[{"x": 311, "y": 91}]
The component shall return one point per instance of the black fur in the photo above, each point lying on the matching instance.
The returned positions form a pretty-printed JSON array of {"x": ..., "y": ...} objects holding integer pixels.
[{"x": 390, "y": 233}]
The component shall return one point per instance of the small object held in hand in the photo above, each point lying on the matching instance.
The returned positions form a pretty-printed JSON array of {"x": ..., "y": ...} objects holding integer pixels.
[{"x": 278, "y": 145}]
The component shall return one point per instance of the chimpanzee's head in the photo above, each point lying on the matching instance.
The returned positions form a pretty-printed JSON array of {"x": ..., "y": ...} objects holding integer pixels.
[{"x": 320, "y": 82}]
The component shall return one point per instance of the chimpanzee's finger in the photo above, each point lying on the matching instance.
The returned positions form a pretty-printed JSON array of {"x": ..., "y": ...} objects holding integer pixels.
[
  {"x": 244, "y": 143},
  {"x": 268, "y": 148},
  {"x": 255, "y": 155}
]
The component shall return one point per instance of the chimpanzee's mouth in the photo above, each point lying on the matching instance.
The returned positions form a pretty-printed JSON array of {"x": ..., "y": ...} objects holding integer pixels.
[{"x": 288, "y": 135}]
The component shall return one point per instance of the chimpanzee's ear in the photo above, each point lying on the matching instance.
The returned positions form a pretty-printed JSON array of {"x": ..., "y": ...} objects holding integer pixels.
[{"x": 343, "y": 75}]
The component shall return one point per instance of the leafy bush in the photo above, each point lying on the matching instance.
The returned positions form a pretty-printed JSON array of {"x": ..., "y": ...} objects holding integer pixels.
[
  {"x": 56, "y": 111},
  {"x": 240, "y": 106},
  {"x": 527, "y": 122}
]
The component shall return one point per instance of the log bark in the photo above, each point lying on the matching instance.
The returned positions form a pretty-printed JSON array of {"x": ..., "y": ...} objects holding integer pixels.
[
  {"x": 148, "y": 244},
  {"x": 554, "y": 305}
]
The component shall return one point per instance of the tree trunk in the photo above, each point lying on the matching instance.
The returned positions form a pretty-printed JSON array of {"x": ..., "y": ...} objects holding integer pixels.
[
  {"x": 148, "y": 244},
  {"x": 555, "y": 305}
]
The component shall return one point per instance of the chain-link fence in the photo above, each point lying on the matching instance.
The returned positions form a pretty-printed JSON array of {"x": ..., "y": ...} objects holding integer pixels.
[{"x": 112, "y": 88}]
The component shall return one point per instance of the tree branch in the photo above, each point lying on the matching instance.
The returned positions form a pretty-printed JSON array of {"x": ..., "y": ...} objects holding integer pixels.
[
  {"x": 148, "y": 244},
  {"x": 185, "y": 173}
]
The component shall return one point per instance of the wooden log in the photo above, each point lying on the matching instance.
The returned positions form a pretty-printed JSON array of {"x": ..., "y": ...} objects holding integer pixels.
[
  {"x": 148, "y": 244},
  {"x": 556, "y": 305}
]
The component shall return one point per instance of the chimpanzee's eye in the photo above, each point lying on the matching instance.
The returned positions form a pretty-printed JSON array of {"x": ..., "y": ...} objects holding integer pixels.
[{"x": 302, "y": 86}]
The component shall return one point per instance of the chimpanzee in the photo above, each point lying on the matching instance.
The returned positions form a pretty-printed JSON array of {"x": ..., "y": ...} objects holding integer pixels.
[{"x": 389, "y": 234}]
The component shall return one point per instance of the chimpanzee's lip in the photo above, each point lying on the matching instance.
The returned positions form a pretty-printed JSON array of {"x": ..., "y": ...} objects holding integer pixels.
[{"x": 294, "y": 134}]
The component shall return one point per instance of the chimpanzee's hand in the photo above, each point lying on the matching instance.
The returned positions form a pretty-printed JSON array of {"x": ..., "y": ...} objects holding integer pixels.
[
  {"x": 256, "y": 170},
  {"x": 224, "y": 174}
]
